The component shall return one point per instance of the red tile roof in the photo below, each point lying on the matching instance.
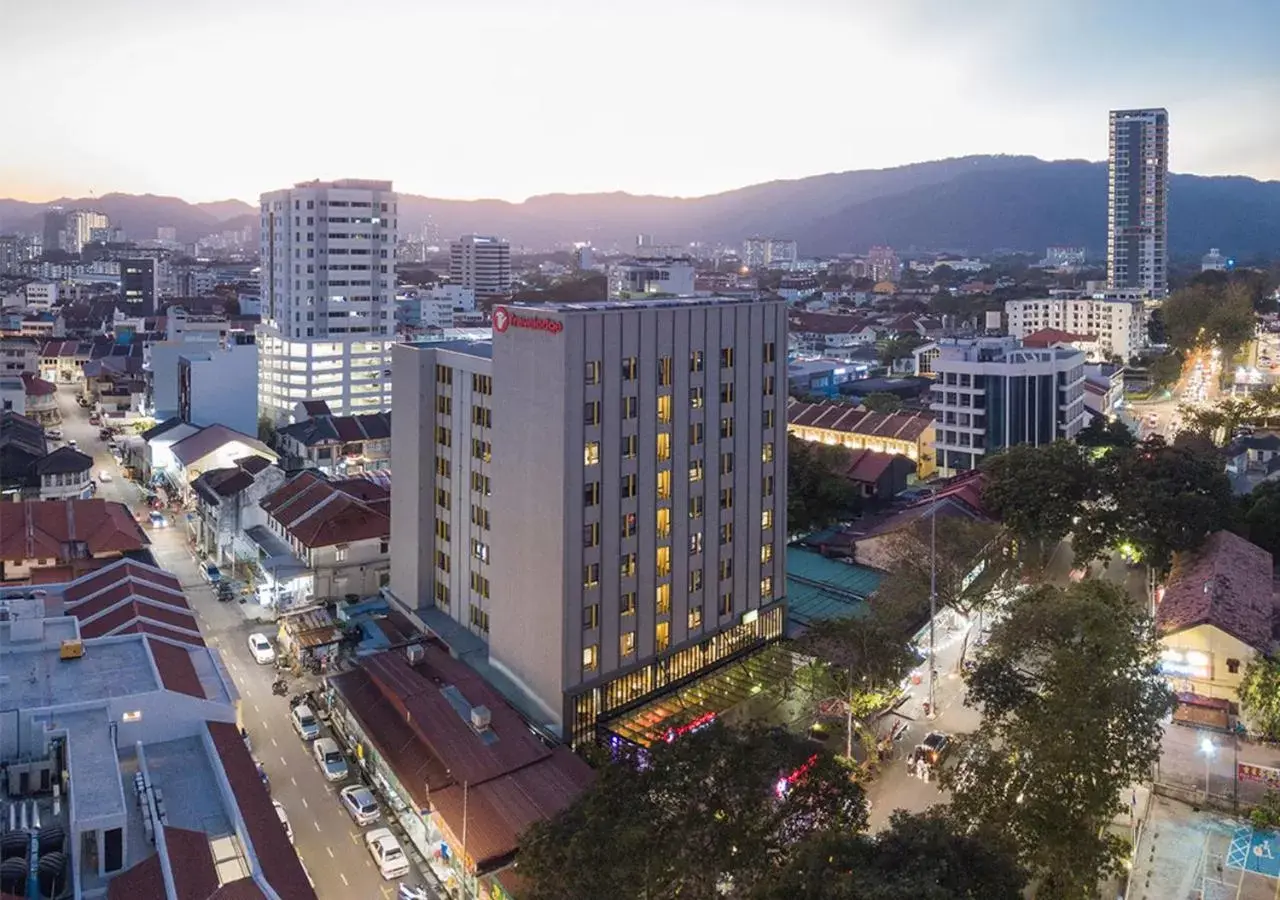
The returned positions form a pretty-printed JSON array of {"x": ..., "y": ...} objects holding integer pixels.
[
  {"x": 826, "y": 323},
  {"x": 107, "y": 577},
  {"x": 190, "y": 863},
  {"x": 146, "y": 879},
  {"x": 279, "y": 861},
  {"x": 1227, "y": 583},
  {"x": 321, "y": 513},
  {"x": 40, "y": 529},
  {"x": 859, "y": 421},
  {"x": 177, "y": 672},
  {"x": 36, "y": 386},
  {"x": 867, "y": 465},
  {"x": 125, "y": 594},
  {"x": 1047, "y": 337}
]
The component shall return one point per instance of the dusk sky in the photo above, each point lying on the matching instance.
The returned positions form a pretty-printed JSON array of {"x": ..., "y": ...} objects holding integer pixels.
[{"x": 211, "y": 99}]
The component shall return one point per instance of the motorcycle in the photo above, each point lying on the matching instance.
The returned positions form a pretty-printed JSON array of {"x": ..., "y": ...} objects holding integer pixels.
[
  {"x": 412, "y": 892},
  {"x": 280, "y": 687}
]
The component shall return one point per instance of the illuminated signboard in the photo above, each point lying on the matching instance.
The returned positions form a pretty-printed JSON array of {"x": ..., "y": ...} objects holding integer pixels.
[
  {"x": 697, "y": 724},
  {"x": 1185, "y": 663},
  {"x": 784, "y": 784},
  {"x": 504, "y": 318}
]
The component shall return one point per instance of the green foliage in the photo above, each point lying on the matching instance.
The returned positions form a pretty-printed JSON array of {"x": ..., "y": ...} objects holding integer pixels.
[
  {"x": 818, "y": 493},
  {"x": 1267, "y": 813},
  {"x": 918, "y": 857},
  {"x": 961, "y": 545},
  {"x": 267, "y": 431},
  {"x": 1165, "y": 370},
  {"x": 1260, "y": 696},
  {"x": 1038, "y": 491},
  {"x": 1203, "y": 314},
  {"x": 1258, "y": 518},
  {"x": 701, "y": 813},
  {"x": 1102, "y": 432},
  {"x": 899, "y": 347},
  {"x": 882, "y": 402},
  {"x": 1072, "y": 703}
]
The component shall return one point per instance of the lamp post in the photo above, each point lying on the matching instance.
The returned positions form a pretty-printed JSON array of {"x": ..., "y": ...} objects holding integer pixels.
[
  {"x": 1207, "y": 748},
  {"x": 933, "y": 601}
]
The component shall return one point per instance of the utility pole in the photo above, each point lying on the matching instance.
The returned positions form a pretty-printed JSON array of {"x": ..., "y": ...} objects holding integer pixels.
[{"x": 933, "y": 601}]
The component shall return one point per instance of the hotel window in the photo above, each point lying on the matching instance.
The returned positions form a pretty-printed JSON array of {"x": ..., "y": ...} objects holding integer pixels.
[
  {"x": 664, "y": 371},
  {"x": 726, "y": 463},
  {"x": 770, "y": 351},
  {"x": 444, "y": 375},
  {"x": 768, "y": 385},
  {"x": 591, "y": 413},
  {"x": 663, "y": 566},
  {"x": 664, "y": 409},
  {"x": 480, "y": 585},
  {"x": 766, "y": 520},
  {"x": 479, "y": 618},
  {"x": 480, "y": 550},
  {"x": 627, "y": 568},
  {"x": 726, "y": 427},
  {"x": 766, "y": 553},
  {"x": 629, "y": 405},
  {"x": 664, "y": 484},
  {"x": 766, "y": 452},
  {"x": 695, "y": 506},
  {"x": 591, "y": 616},
  {"x": 726, "y": 603},
  {"x": 627, "y": 604},
  {"x": 627, "y": 643},
  {"x": 482, "y": 416},
  {"x": 695, "y": 398},
  {"x": 591, "y": 493},
  {"x": 628, "y": 525},
  {"x": 726, "y": 569},
  {"x": 443, "y": 498},
  {"x": 442, "y": 561},
  {"x": 442, "y": 529},
  {"x": 444, "y": 436},
  {"x": 695, "y": 361},
  {"x": 662, "y": 599},
  {"x": 444, "y": 405},
  {"x": 766, "y": 486},
  {"x": 591, "y": 534},
  {"x": 442, "y": 596},
  {"x": 695, "y": 433},
  {"x": 591, "y": 453},
  {"x": 695, "y": 580},
  {"x": 695, "y": 470},
  {"x": 766, "y": 588},
  {"x": 481, "y": 450},
  {"x": 482, "y": 384},
  {"x": 726, "y": 498},
  {"x": 593, "y": 372},
  {"x": 662, "y": 636},
  {"x": 628, "y": 486},
  {"x": 768, "y": 418},
  {"x": 590, "y": 657},
  {"x": 629, "y": 368},
  {"x": 664, "y": 446},
  {"x": 726, "y": 392},
  {"x": 695, "y": 618},
  {"x": 480, "y": 517},
  {"x": 695, "y": 543},
  {"x": 726, "y": 358},
  {"x": 591, "y": 575},
  {"x": 726, "y": 533},
  {"x": 480, "y": 483}
]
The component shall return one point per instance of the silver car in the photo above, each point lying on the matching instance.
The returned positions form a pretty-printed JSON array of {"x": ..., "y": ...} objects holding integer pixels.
[{"x": 360, "y": 804}]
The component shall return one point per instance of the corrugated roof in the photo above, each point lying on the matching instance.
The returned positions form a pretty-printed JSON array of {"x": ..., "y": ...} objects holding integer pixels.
[
  {"x": 42, "y": 529},
  {"x": 1227, "y": 583},
  {"x": 819, "y": 588},
  {"x": 859, "y": 421},
  {"x": 207, "y": 440}
]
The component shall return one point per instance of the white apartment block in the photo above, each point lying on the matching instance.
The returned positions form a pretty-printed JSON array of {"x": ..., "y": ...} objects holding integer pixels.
[
  {"x": 1119, "y": 325},
  {"x": 642, "y": 277},
  {"x": 328, "y": 294},
  {"x": 482, "y": 264},
  {"x": 41, "y": 295}
]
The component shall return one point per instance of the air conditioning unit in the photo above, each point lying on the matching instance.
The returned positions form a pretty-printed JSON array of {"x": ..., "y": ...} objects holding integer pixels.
[
  {"x": 415, "y": 654},
  {"x": 480, "y": 717}
]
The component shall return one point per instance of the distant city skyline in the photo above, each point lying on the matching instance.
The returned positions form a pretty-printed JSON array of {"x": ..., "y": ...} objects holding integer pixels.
[{"x": 510, "y": 99}]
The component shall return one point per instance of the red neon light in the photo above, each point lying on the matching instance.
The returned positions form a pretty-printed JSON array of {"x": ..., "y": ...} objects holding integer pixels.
[
  {"x": 681, "y": 730},
  {"x": 504, "y": 318},
  {"x": 784, "y": 784}
]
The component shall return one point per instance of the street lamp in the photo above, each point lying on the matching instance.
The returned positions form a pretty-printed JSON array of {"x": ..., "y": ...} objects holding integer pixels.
[
  {"x": 933, "y": 600},
  {"x": 1207, "y": 748}
]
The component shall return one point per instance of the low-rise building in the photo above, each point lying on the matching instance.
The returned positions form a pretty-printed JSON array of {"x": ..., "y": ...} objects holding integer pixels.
[
  {"x": 228, "y": 504},
  {"x": 211, "y": 447},
  {"x": 1119, "y": 325},
  {"x": 41, "y": 399},
  {"x": 907, "y": 434},
  {"x": 40, "y": 539},
  {"x": 644, "y": 277},
  {"x": 336, "y": 445},
  {"x": 65, "y": 474}
]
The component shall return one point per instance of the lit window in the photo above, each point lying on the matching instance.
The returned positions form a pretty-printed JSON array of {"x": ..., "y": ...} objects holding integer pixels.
[
  {"x": 628, "y": 525},
  {"x": 664, "y": 562},
  {"x": 766, "y": 588},
  {"x": 695, "y": 398},
  {"x": 591, "y": 575},
  {"x": 664, "y": 484},
  {"x": 627, "y": 604},
  {"x": 133, "y": 716},
  {"x": 628, "y": 566},
  {"x": 695, "y": 618},
  {"x": 664, "y": 446},
  {"x": 662, "y": 600},
  {"x": 479, "y": 550},
  {"x": 695, "y": 361},
  {"x": 664, "y": 409},
  {"x": 664, "y": 522},
  {"x": 695, "y": 470},
  {"x": 766, "y": 452},
  {"x": 726, "y": 533},
  {"x": 766, "y": 520},
  {"x": 695, "y": 580},
  {"x": 590, "y": 657},
  {"x": 695, "y": 506},
  {"x": 340, "y": 554},
  {"x": 591, "y": 453},
  {"x": 627, "y": 643},
  {"x": 766, "y": 553},
  {"x": 662, "y": 636},
  {"x": 695, "y": 543}
]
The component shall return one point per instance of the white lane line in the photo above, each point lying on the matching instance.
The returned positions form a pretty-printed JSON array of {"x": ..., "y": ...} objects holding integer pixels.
[
  {"x": 283, "y": 761},
  {"x": 257, "y": 709},
  {"x": 273, "y": 743},
  {"x": 294, "y": 780},
  {"x": 330, "y": 849},
  {"x": 317, "y": 824},
  {"x": 305, "y": 803},
  {"x": 344, "y": 879}
]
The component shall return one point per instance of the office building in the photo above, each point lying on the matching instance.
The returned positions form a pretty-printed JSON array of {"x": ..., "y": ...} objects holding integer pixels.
[
  {"x": 481, "y": 264},
  {"x": 642, "y": 277},
  {"x": 1137, "y": 201},
  {"x": 883, "y": 264},
  {"x": 1118, "y": 326},
  {"x": 439, "y": 306},
  {"x": 599, "y": 494},
  {"x": 218, "y": 384},
  {"x": 991, "y": 393},
  {"x": 79, "y": 228},
  {"x": 777, "y": 253},
  {"x": 328, "y": 295},
  {"x": 139, "y": 285}
]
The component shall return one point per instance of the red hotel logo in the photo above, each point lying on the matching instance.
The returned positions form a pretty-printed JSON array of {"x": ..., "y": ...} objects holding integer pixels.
[{"x": 504, "y": 318}]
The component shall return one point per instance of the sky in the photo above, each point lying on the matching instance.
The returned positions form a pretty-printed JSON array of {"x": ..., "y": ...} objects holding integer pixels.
[{"x": 216, "y": 99}]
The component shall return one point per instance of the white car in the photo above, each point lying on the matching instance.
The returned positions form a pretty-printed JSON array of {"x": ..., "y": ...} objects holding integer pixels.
[
  {"x": 386, "y": 853},
  {"x": 304, "y": 722},
  {"x": 330, "y": 759},
  {"x": 261, "y": 648},
  {"x": 360, "y": 803},
  {"x": 284, "y": 820},
  {"x": 104, "y": 475}
]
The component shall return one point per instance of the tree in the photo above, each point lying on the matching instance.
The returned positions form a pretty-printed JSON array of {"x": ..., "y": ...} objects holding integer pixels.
[
  {"x": 1260, "y": 696},
  {"x": 1204, "y": 314},
  {"x": 882, "y": 402},
  {"x": 1258, "y": 518},
  {"x": 707, "y": 810},
  {"x": 1038, "y": 492},
  {"x": 1072, "y": 704},
  {"x": 899, "y": 347},
  {"x": 918, "y": 857},
  {"x": 963, "y": 551},
  {"x": 1166, "y": 370},
  {"x": 267, "y": 431},
  {"x": 818, "y": 493},
  {"x": 1102, "y": 432}
]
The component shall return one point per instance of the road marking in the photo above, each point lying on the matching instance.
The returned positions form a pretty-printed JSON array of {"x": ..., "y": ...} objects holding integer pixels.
[
  {"x": 317, "y": 824},
  {"x": 283, "y": 761},
  {"x": 273, "y": 743},
  {"x": 257, "y": 709},
  {"x": 344, "y": 879},
  {"x": 330, "y": 851},
  {"x": 305, "y": 803},
  {"x": 355, "y": 838},
  {"x": 294, "y": 780}
]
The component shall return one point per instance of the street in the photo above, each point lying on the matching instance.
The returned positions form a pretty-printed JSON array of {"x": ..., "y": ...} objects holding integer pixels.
[{"x": 327, "y": 840}]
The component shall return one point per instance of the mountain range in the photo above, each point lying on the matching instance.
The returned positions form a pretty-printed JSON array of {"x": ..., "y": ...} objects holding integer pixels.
[{"x": 971, "y": 204}]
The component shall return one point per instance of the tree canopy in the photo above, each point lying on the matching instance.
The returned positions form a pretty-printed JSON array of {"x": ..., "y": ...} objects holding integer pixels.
[
  {"x": 882, "y": 402},
  {"x": 1038, "y": 491},
  {"x": 1101, "y": 433},
  {"x": 1072, "y": 704},
  {"x": 708, "y": 809},
  {"x": 900, "y": 346},
  {"x": 818, "y": 493},
  {"x": 1204, "y": 314},
  {"x": 1260, "y": 696},
  {"x": 965, "y": 550},
  {"x": 1258, "y": 517}
]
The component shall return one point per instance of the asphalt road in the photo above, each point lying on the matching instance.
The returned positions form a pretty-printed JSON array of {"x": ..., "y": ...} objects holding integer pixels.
[{"x": 329, "y": 843}]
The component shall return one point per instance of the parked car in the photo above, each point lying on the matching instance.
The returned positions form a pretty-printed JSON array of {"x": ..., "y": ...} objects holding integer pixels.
[
  {"x": 284, "y": 819},
  {"x": 330, "y": 759},
  {"x": 158, "y": 520},
  {"x": 55, "y": 433},
  {"x": 263, "y": 653},
  {"x": 360, "y": 804},
  {"x": 304, "y": 722},
  {"x": 386, "y": 853},
  {"x": 104, "y": 476},
  {"x": 211, "y": 574},
  {"x": 932, "y": 750}
]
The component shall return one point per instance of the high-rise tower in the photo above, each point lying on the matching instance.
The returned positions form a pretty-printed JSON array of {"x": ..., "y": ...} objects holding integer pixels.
[{"x": 1137, "y": 201}]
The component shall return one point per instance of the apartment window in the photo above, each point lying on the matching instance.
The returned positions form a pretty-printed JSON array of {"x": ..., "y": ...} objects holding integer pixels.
[
  {"x": 726, "y": 463},
  {"x": 442, "y": 596},
  {"x": 664, "y": 522},
  {"x": 726, "y": 603},
  {"x": 591, "y": 493},
  {"x": 662, "y": 599},
  {"x": 766, "y": 588},
  {"x": 444, "y": 436},
  {"x": 444, "y": 375},
  {"x": 766, "y": 553},
  {"x": 590, "y": 657},
  {"x": 662, "y": 636},
  {"x": 593, "y": 372},
  {"x": 664, "y": 446},
  {"x": 664, "y": 409},
  {"x": 627, "y": 603},
  {"x": 726, "y": 392},
  {"x": 695, "y": 543},
  {"x": 591, "y": 413},
  {"x": 480, "y": 517},
  {"x": 695, "y": 506},
  {"x": 443, "y": 498},
  {"x": 444, "y": 468},
  {"x": 627, "y": 566},
  {"x": 628, "y": 446},
  {"x": 442, "y": 561},
  {"x": 726, "y": 358},
  {"x": 479, "y": 618},
  {"x": 591, "y": 616},
  {"x": 444, "y": 404},
  {"x": 726, "y": 533},
  {"x": 629, "y": 368},
  {"x": 766, "y": 486},
  {"x": 726, "y": 427},
  {"x": 766, "y": 452},
  {"x": 591, "y": 453},
  {"x": 591, "y": 575},
  {"x": 695, "y": 580},
  {"x": 695, "y": 433},
  {"x": 480, "y": 585},
  {"x": 726, "y": 569},
  {"x": 591, "y": 534},
  {"x": 726, "y": 498},
  {"x": 482, "y": 384},
  {"x": 695, "y": 470},
  {"x": 695, "y": 398},
  {"x": 480, "y": 550},
  {"x": 442, "y": 529},
  {"x": 768, "y": 385},
  {"x": 766, "y": 520},
  {"x": 482, "y": 416},
  {"x": 481, "y": 450},
  {"x": 695, "y": 361},
  {"x": 480, "y": 483},
  {"x": 770, "y": 351},
  {"x": 663, "y": 566},
  {"x": 629, "y": 405},
  {"x": 768, "y": 418},
  {"x": 695, "y": 618},
  {"x": 664, "y": 371},
  {"x": 628, "y": 486},
  {"x": 627, "y": 643},
  {"x": 664, "y": 484},
  {"x": 628, "y": 525}
]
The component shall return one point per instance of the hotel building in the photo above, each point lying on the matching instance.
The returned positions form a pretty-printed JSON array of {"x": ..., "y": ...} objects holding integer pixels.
[
  {"x": 1137, "y": 201},
  {"x": 481, "y": 264},
  {"x": 599, "y": 495}
]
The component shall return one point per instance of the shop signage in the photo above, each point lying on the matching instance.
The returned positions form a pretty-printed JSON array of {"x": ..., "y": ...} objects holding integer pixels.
[
  {"x": 784, "y": 784},
  {"x": 697, "y": 724},
  {"x": 1260, "y": 774},
  {"x": 504, "y": 318}
]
